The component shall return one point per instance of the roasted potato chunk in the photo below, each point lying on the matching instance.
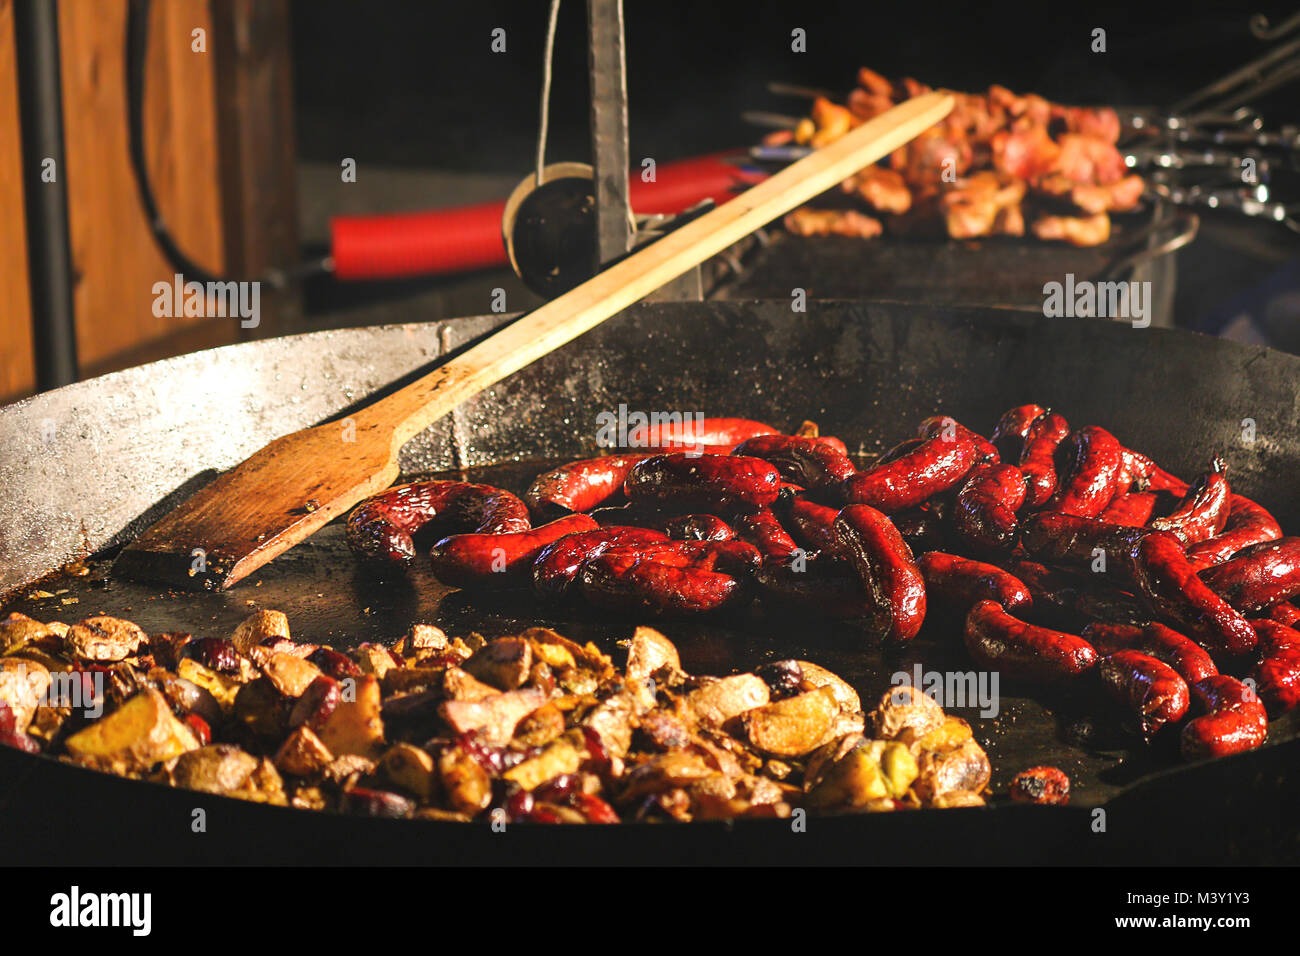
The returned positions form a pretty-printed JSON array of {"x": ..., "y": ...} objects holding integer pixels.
[{"x": 140, "y": 733}]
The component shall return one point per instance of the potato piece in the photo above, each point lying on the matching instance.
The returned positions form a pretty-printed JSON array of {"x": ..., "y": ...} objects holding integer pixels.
[
  {"x": 794, "y": 726},
  {"x": 903, "y": 707},
  {"x": 544, "y": 641},
  {"x": 961, "y": 768},
  {"x": 302, "y": 754},
  {"x": 503, "y": 663},
  {"x": 374, "y": 659},
  {"x": 400, "y": 679},
  {"x": 264, "y": 627},
  {"x": 410, "y": 768},
  {"x": 459, "y": 685},
  {"x": 649, "y": 651},
  {"x": 666, "y": 772},
  {"x": 290, "y": 675},
  {"x": 953, "y": 732},
  {"x": 139, "y": 734},
  {"x": 853, "y": 780},
  {"x": 218, "y": 768},
  {"x": 957, "y": 798},
  {"x": 23, "y": 684},
  {"x": 898, "y": 767},
  {"x": 103, "y": 638},
  {"x": 467, "y": 785},
  {"x": 494, "y": 717},
  {"x": 18, "y": 630},
  {"x": 611, "y": 719},
  {"x": 355, "y": 727},
  {"x": 560, "y": 757},
  {"x": 264, "y": 786},
  {"x": 814, "y": 675},
  {"x": 223, "y": 688},
  {"x": 421, "y": 638},
  {"x": 262, "y": 709},
  {"x": 540, "y": 727},
  {"x": 716, "y": 701}
]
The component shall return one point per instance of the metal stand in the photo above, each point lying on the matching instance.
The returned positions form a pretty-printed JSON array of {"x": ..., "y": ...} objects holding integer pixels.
[{"x": 49, "y": 259}]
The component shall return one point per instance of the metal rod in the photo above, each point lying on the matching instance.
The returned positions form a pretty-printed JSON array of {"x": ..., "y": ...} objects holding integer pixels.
[
  {"x": 609, "y": 151},
  {"x": 49, "y": 257}
]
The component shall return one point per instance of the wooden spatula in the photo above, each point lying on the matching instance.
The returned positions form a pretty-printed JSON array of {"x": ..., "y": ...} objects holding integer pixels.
[{"x": 301, "y": 481}]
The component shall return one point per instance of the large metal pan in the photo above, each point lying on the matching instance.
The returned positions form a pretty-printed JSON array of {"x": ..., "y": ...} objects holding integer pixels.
[{"x": 86, "y": 466}]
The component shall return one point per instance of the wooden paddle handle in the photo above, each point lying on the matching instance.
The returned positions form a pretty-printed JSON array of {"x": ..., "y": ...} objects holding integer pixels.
[{"x": 415, "y": 407}]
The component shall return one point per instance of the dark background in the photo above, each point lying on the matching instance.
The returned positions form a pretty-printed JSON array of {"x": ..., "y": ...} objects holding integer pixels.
[{"x": 416, "y": 83}]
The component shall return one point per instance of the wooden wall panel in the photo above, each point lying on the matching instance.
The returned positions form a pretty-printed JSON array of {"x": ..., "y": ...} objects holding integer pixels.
[
  {"x": 114, "y": 255},
  {"x": 17, "y": 371}
]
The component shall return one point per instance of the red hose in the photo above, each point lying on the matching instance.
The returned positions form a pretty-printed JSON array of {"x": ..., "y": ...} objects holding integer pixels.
[{"x": 464, "y": 238}]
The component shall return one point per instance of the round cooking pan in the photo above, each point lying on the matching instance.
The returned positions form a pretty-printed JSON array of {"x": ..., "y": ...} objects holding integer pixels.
[{"x": 85, "y": 467}]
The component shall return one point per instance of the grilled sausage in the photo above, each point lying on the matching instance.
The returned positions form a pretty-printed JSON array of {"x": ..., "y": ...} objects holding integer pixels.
[
  {"x": 934, "y": 466},
  {"x": 984, "y": 514},
  {"x": 1277, "y": 675},
  {"x": 809, "y": 462},
  {"x": 1042, "y": 785},
  {"x": 1234, "y": 719},
  {"x": 1074, "y": 541},
  {"x": 1038, "y": 459},
  {"x": 1166, "y": 580},
  {"x": 1247, "y": 524},
  {"x": 764, "y": 531},
  {"x": 556, "y": 566},
  {"x": 493, "y": 561},
  {"x": 1161, "y": 480},
  {"x": 945, "y": 426},
  {"x": 963, "y": 583},
  {"x": 681, "y": 577},
  {"x": 1012, "y": 428},
  {"x": 1132, "y": 509},
  {"x": 812, "y": 523},
  {"x": 698, "y": 528},
  {"x": 1259, "y": 576},
  {"x": 1163, "y": 643},
  {"x": 721, "y": 434},
  {"x": 1285, "y": 613},
  {"x": 1019, "y": 650},
  {"x": 683, "y": 482},
  {"x": 384, "y": 525},
  {"x": 1137, "y": 470},
  {"x": 884, "y": 563},
  {"x": 1092, "y": 478},
  {"x": 1203, "y": 511},
  {"x": 579, "y": 485},
  {"x": 1153, "y": 692}
]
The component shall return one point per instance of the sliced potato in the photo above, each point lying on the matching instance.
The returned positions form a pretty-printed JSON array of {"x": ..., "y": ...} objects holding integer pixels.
[
  {"x": 302, "y": 753},
  {"x": 562, "y": 756},
  {"x": 649, "y": 651},
  {"x": 139, "y": 734},
  {"x": 716, "y": 701},
  {"x": 503, "y": 663},
  {"x": 355, "y": 727},
  {"x": 103, "y": 638},
  {"x": 263, "y": 627},
  {"x": 410, "y": 768},
  {"x": 794, "y": 726},
  {"x": 218, "y": 768},
  {"x": 290, "y": 675},
  {"x": 495, "y": 717}
]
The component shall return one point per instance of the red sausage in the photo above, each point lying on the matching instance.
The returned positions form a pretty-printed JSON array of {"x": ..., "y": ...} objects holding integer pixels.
[
  {"x": 1161, "y": 480},
  {"x": 692, "y": 433},
  {"x": 1092, "y": 478},
  {"x": 1247, "y": 524},
  {"x": 764, "y": 531},
  {"x": 1285, "y": 613},
  {"x": 686, "y": 482},
  {"x": 1132, "y": 509},
  {"x": 1136, "y": 470},
  {"x": 823, "y": 588},
  {"x": 1012, "y": 428},
  {"x": 1075, "y": 542},
  {"x": 944, "y": 426},
  {"x": 1038, "y": 460},
  {"x": 1163, "y": 643},
  {"x": 922, "y": 528},
  {"x": 1153, "y": 691},
  {"x": 1259, "y": 576},
  {"x": 556, "y": 565},
  {"x": 963, "y": 583},
  {"x": 1234, "y": 719},
  {"x": 579, "y": 485},
  {"x": 884, "y": 562},
  {"x": 698, "y": 528},
  {"x": 1167, "y": 581},
  {"x": 382, "y": 526},
  {"x": 695, "y": 578},
  {"x": 809, "y": 462},
  {"x": 812, "y": 523},
  {"x": 1203, "y": 511},
  {"x": 934, "y": 466},
  {"x": 499, "y": 560},
  {"x": 1277, "y": 676},
  {"x": 904, "y": 447},
  {"x": 998, "y": 641},
  {"x": 984, "y": 515}
]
